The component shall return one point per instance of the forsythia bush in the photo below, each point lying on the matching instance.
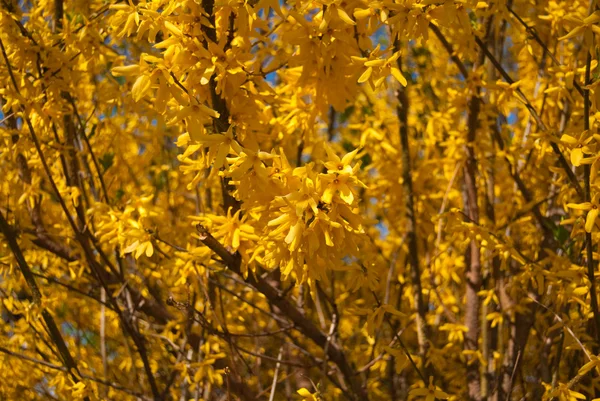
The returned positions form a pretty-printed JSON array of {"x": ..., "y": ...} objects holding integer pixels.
[{"x": 299, "y": 200}]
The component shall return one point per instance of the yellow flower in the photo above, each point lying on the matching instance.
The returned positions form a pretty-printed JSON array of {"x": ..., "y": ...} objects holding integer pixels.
[
  {"x": 249, "y": 160},
  {"x": 232, "y": 230},
  {"x": 594, "y": 363},
  {"x": 304, "y": 198},
  {"x": 337, "y": 183},
  {"x": 79, "y": 390},
  {"x": 340, "y": 177},
  {"x": 140, "y": 248},
  {"x": 195, "y": 116},
  {"x": 219, "y": 145},
  {"x": 308, "y": 396},
  {"x": 378, "y": 69},
  {"x": 587, "y": 25},
  {"x": 430, "y": 393},
  {"x": 400, "y": 358},
  {"x": 591, "y": 207},
  {"x": 580, "y": 147},
  {"x": 455, "y": 331},
  {"x": 149, "y": 70},
  {"x": 563, "y": 393},
  {"x": 337, "y": 165}
]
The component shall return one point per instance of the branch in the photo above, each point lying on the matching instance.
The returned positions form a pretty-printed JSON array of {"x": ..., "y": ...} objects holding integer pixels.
[
  {"x": 63, "y": 369},
  {"x": 53, "y": 331},
  {"x": 409, "y": 195},
  {"x": 473, "y": 271},
  {"x": 545, "y": 223},
  {"x": 537, "y": 38},
  {"x": 81, "y": 234},
  {"x": 304, "y": 325},
  {"x": 221, "y": 124},
  {"x": 402, "y": 345},
  {"x": 561, "y": 158},
  {"x": 448, "y": 47},
  {"x": 274, "y": 385},
  {"x": 588, "y": 236}
]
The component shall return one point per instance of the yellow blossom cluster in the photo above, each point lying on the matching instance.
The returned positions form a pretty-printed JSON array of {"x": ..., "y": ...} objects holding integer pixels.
[{"x": 299, "y": 199}]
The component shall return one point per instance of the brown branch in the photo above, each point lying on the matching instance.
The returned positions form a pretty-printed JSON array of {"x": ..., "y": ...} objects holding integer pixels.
[
  {"x": 275, "y": 376},
  {"x": 53, "y": 331},
  {"x": 81, "y": 234},
  {"x": 43, "y": 239},
  {"x": 473, "y": 258},
  {"x": 561, "y": 157},
  {"x": 86, "y": 140},
  {"x": 301, "y": 322},
  {"x": 512, "y": 376},
  {"x": 63, "y": 369},
  {"x": 402, "y": 345},
  {"x": 253, "y": 305},
  {"x": 221, "y": 124},
  {"x": 331, "y": 124},
  {"x": 71, "y": 288},
  {"x": 520, "y": 329},
  {"x": 546, "y": 224},
  {"x": 531, "y": 31},
  {"x": 587, "y": 197},
  {"x": 409, "y": 198},
  {"x": 458, "y": 62}
]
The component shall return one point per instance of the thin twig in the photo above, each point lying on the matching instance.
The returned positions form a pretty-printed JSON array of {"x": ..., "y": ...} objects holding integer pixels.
[
  {"x": 512, "y": 376},
  {"x": 276, "y": 374},
  {"x": 301, "y": 322},
  {"x": 561, "y": 157},
  {"x": 537, "y": 38},
  {"x": 63, "y": 369}
]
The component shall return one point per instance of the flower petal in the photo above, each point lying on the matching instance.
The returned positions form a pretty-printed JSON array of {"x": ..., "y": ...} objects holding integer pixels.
[
  {"x": 576, "y": 156},
  {"x": 365, "y": 75},
  {"x": 580, "y": 206},
  {"x": 591, "y": 219},
  {"x": 399, "y": 76}
]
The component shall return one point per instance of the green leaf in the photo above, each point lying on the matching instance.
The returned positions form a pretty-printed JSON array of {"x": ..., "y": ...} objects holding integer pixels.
[
  {"x": 107, "y": 160},
  {"x": 596, "y": 74},
  {"x": 160, "y": 181},
  {"x": 120, "y": 80},
  {"x": 561, "y": 234},
  {"x": 346, "y": 114}
]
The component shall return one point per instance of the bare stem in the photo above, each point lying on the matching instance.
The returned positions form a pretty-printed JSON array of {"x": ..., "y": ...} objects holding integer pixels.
[{"x": 409, "y": 197}]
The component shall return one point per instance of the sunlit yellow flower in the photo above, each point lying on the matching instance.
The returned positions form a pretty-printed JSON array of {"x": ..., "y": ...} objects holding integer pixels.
[
  {"x": 378, "y": 69},
  {"x": 588, "y": 25},
  {"x": 581, "y": 147},
  {"x": 337, "y": 165},
  {"x": 591, "y": 208},
  {"x": 232, "y": 229},
  {"x": 308, "y": 396}
]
